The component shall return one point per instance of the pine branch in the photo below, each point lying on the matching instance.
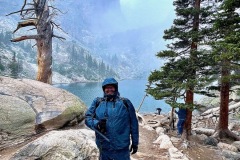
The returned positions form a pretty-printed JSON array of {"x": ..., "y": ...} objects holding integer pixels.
[{"x": 179, "y": 53}]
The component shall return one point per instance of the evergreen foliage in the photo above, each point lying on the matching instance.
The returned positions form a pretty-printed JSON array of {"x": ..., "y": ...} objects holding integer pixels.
[
  {"x": 186, "y": 67},
  {"x": 2, "y": 68},
  {"x": 14, "y": 67},
  {"x": 226, "y": 41},
  {"x": 190, "y": 69},
  {"x": 226, "y": 52},
  {"x": 79, "y": 63}
]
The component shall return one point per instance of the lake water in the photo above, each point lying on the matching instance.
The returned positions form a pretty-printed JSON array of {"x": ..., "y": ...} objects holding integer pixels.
[{"x": 134, "y": 90}]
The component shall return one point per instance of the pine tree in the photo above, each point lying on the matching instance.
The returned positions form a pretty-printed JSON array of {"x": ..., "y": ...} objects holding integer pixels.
[
  {"x": 1, "y": 37},
  {"x": 184, "y": 71},
  {"x": 2, "y": 68},
  {"x": 20, "y": 66},
  {"x": 90, "y": 61},
  {"x": 226, "y": 51},
  {"x": 14, "y": 67},
  {"x": 101, "y": 69},
  {"x": 73, "y": 55}
]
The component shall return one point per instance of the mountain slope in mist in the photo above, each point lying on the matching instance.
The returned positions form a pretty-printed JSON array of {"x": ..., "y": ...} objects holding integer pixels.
[{"x": 105, "y": 30}]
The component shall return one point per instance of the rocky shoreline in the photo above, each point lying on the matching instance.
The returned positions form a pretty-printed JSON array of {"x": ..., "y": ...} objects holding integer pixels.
[
  {"x": 39, "y": 121},
  {"x": 156, "y": 143}
]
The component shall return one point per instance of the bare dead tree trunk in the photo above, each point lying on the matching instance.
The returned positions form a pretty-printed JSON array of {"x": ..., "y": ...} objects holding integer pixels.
[
  {"x": 44, "y": 44},
  {"x": 38, "y": 16}
]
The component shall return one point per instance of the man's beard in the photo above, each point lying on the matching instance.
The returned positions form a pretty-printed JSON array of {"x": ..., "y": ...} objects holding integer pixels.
[{"x": 110, "y": 96}]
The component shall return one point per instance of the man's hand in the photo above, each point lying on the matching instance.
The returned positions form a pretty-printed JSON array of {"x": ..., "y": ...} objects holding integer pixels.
[
  {"x": 101, "y": 126},
  {"x": 133, "y": 149}
]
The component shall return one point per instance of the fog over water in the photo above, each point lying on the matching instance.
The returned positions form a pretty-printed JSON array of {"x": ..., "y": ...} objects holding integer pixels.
[{"x": 130, "y": 29}]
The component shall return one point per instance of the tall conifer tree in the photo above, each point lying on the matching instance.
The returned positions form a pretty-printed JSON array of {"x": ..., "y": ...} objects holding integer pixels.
[
  {"x": 183, "y": 73},
  {"x": 226, "y": 51}
]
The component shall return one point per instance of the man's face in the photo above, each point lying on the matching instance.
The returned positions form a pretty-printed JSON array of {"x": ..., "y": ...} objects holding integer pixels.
[{"x": 109, "y": 90}]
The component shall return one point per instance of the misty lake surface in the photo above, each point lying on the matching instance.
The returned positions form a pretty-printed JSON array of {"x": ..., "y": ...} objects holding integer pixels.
[{"x": 134, "y": 90}]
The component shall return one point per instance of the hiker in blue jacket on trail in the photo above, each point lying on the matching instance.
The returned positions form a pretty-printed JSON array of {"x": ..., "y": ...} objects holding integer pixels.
[
  {"x": 182, "y": 114},
  {"x": 114, "y": 121}
]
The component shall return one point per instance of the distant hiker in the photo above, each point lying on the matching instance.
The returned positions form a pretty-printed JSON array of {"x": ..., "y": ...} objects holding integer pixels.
[
  {"x": 159, "y": 110},
  {"x": 114, "y": 121},
  {"x": 182, "y": 113}
]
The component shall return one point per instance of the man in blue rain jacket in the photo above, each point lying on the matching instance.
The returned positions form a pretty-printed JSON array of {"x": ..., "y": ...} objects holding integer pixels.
[
  {"x": 114, "y": 121},
  {"x": 182, "y": 114}
]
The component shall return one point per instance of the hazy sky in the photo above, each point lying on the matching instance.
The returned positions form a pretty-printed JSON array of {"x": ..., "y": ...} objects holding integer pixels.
[{"x": 147, "y": 12}]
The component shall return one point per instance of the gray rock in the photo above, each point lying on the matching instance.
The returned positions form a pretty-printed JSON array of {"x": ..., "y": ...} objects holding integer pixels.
[
  {"x": 164, "y": 141},
  {"x": 236, "y": 132},
  {"x": 141, "y": 120},
  {"x": 16, "y": 119},
  {"x": 31, "y": 106},
  {"x": 227, "y": 146},
  {"x": 230, "y": 155},
  {"x": 236, "y": 144},
  {"x": 160, "y": 130},
  {"x": 68, "y": 144},
  {"x": 202, "y": 137},
  {"x": 234, "y": 95},
  {"x": 148, "y": 127},
  {"x": 16, "y": 114},
  {"x": 231, "y": 126},
  {"x": 175, "y": 154},
  {"x": 209, "y": 102},
  {"x": 211, "y": 141}
]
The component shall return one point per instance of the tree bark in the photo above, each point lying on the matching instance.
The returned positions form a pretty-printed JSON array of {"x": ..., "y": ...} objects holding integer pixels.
[
  {"x": 224, "y": 96},
  {"x": 222, "y": 130},
  {"x": 193, "y": 57},
  {"x": 171, "y": 120},
  {"x": 188, "y": 122},
  {"x": 43, "y": 37},
  {"x": 44, "y": 44}
]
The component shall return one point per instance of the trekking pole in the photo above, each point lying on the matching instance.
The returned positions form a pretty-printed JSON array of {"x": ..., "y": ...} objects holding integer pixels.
[{"x": 101, "y": 135}]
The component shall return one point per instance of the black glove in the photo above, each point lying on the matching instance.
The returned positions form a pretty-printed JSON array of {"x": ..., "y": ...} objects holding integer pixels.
[
  {"x": 101, "y": 126},
  {"x": 133, "y": 149}
]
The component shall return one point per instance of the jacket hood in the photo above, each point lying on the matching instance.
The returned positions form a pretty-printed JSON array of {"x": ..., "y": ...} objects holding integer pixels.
[{"x": 109, "y": 81}]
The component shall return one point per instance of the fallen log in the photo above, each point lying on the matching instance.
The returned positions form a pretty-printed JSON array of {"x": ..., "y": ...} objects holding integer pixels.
[{"x": 205, "y": 131}]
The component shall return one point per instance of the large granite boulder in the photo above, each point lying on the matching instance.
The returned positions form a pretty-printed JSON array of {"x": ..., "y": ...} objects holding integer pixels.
[
  {"x": 28, "y": 107},
  {"x": 67, "y": 144}
]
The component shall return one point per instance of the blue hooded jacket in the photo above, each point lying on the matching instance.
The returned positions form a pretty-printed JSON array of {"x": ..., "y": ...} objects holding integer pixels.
[
  {"x": 121, "y": 120},
  {"x": 182, "y": 113}
]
